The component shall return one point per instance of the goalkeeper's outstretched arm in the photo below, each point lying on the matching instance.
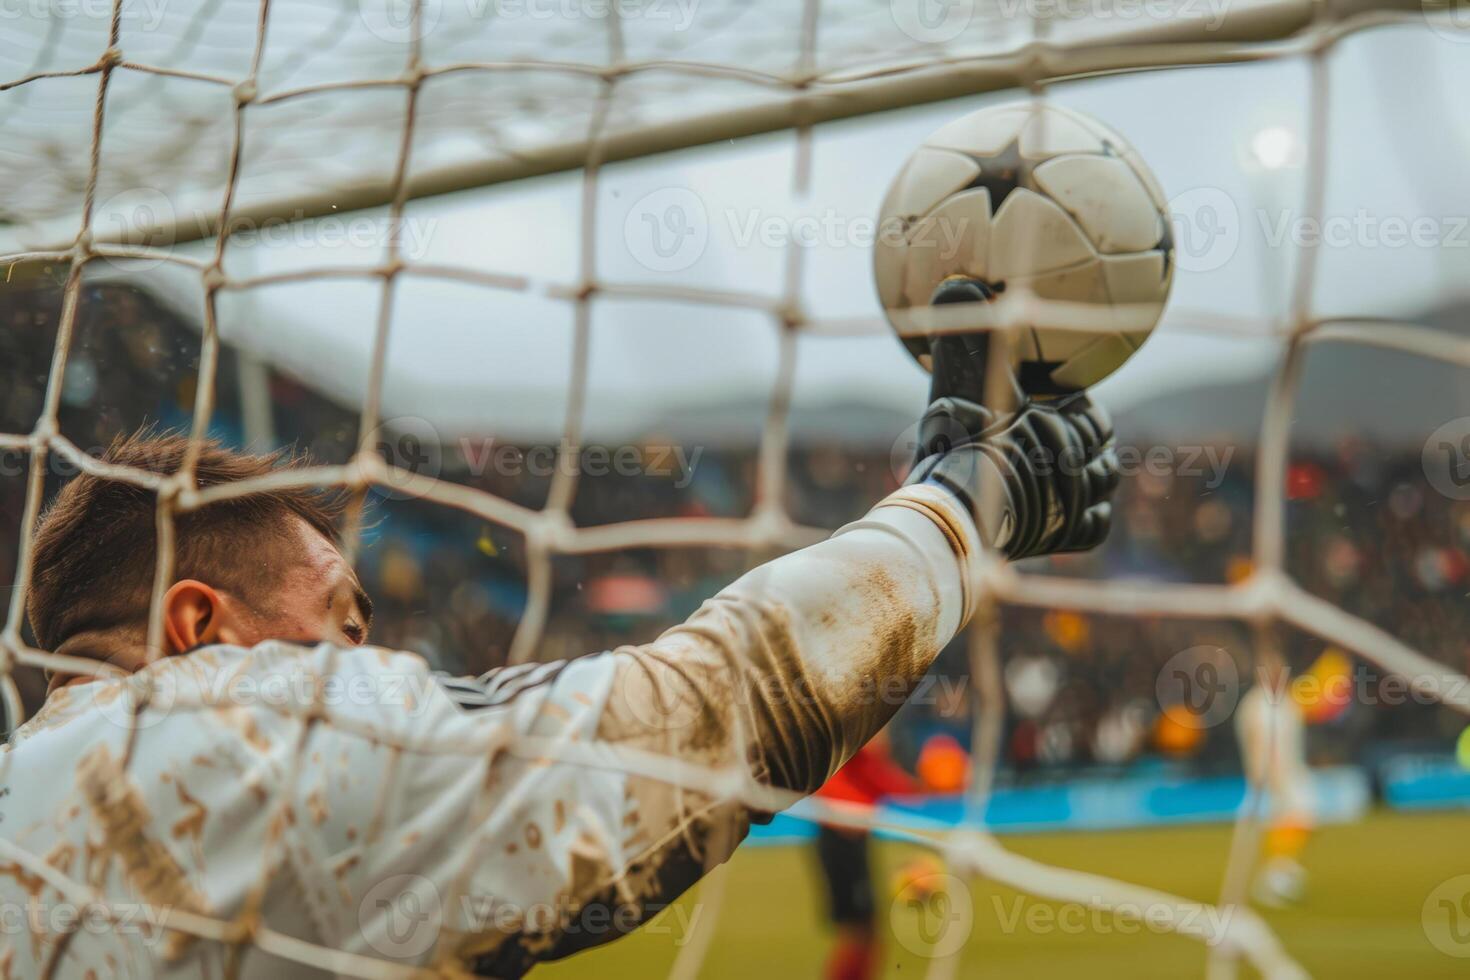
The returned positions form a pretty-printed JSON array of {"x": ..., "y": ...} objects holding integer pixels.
[
  {"x": 778, "y": 679},
  {"x": 339, "y": 801}
]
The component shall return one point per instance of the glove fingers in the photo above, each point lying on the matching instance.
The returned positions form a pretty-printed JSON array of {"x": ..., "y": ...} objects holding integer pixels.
[
  {"x": 1092, "y": 528},
  {"x": 1041, "y": 477},
  {"x": 1103, "y": 474},
  {"x": 952, "y": 422},
  {"x": 1064, "y": 461},
  {"x": 1091, "y": 420}
]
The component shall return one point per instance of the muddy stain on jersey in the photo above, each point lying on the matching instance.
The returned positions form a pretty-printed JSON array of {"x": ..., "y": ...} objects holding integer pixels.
[{"x": 122, "y": 815}]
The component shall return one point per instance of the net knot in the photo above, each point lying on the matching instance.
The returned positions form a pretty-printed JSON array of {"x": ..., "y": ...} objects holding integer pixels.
[
  {"x": 790, "y": 316},
  {"x": 552, "y": 530}
]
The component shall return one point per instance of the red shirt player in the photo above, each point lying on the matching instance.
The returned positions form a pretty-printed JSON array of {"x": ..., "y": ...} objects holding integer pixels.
[{"x": 843, "y": 854}]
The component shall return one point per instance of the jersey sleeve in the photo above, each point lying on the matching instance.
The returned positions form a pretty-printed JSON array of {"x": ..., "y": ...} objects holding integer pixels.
[{"x": 546, "y": 808}]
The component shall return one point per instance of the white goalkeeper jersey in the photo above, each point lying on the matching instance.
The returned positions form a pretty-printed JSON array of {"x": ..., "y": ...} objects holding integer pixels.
[{"x": 309, "y": 812}]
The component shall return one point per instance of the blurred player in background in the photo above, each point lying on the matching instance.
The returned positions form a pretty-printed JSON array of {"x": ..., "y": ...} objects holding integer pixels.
[
  {"x": 842, "y": 853},
  {"x": 1270, "y": 726}
]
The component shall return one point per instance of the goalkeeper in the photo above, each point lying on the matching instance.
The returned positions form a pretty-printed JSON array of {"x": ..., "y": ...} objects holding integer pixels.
[{"x": 271, "y": 798}]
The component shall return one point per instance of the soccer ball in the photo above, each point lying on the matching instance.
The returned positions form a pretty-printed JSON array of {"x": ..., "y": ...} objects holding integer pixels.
[{"x": 1034, "y": 196}]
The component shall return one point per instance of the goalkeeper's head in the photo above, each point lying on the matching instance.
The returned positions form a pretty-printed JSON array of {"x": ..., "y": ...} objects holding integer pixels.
[{"x": 260, "y": 566}]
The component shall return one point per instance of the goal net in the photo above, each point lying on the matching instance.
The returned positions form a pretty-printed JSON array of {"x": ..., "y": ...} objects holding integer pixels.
[{"x": 150, "y": 139}]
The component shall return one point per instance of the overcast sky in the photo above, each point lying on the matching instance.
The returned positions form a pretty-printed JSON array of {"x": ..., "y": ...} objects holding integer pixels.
[{"x": 474, "y": 359}]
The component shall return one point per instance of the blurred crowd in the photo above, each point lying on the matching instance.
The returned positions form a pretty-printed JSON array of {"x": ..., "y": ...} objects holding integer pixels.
[{"x": 1365, "y": 532}]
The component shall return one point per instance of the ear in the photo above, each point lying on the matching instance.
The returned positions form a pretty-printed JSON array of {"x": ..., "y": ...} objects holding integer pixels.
[{"x": 193, "y": 615}]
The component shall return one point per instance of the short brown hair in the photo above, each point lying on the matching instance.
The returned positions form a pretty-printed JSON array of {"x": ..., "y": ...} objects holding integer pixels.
[{"x": 96, "y": 545}]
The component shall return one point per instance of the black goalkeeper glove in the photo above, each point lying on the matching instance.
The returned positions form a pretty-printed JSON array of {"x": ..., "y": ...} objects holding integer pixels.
[{"x": 1051, "y": 465}]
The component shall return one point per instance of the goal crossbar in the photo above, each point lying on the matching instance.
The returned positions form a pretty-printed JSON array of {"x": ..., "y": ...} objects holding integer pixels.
[{"x": 1257, "y": 30}]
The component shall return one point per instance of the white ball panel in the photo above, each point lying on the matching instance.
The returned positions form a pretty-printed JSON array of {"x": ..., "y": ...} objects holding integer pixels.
[
  {"x": 923, "y": 269},
  {"x": 888, "y": 267},
  {"x": 1058, "y": 344},
  {"x": 1077, "y": 284},
  {"x": 1052, "y": 131},
  {"x": 1138, "y": 286},
  {"x": 1136, "y": 338},
  {"x": 958, "y": 233},
  {"x": 1147, "y": 178},
  {"x": 1136, "y": 278},
  {"x": 984, "y": 137},
  {"x": 1032, "y": 235},
  {"x": 1106, "y": 198},
  {"x": 1094, "y": 362},
  {"x": 1102, "y": 130},
  {"x": 929, "y": 177}
]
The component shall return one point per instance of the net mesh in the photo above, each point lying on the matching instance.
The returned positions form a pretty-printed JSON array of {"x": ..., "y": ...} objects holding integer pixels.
[{"x": 630, "y": 96}]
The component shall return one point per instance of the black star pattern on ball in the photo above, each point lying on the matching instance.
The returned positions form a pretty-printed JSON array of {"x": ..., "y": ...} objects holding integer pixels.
[
  {"x": 1166, "y": 244},
  {"x": 1003, "y": 172}
]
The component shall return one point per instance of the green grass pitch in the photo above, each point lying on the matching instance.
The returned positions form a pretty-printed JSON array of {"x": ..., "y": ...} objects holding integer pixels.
[{"x": 1363, "y": 917}]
